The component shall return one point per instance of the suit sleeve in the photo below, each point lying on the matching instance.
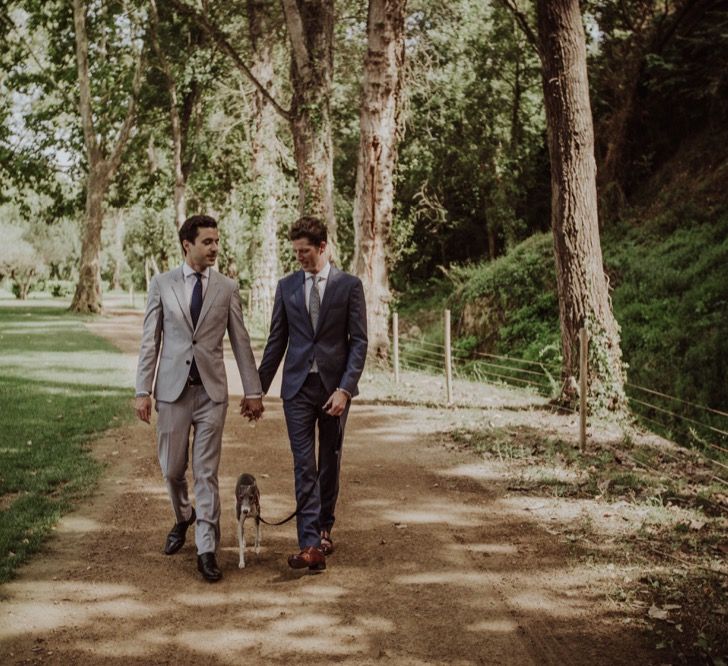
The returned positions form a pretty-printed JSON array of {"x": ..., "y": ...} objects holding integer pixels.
[
  {"x": 277, "y": 342},
  {"x": 151, "y": 339},
  {"x": 240, "y": 343},
  {"x": 358, "y": 342}
]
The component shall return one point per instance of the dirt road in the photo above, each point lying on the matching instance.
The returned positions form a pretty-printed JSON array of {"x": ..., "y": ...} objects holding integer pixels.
[{"x": 434, "y": 564}]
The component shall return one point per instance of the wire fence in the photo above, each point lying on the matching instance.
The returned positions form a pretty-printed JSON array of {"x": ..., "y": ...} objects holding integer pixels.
[{"x": 700, "y": 427}]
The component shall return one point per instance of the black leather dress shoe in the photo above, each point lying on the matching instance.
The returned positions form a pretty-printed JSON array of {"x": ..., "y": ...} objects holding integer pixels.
[
  {"x": 176, "y": 537},
  {"x": 207, "y": 566}
]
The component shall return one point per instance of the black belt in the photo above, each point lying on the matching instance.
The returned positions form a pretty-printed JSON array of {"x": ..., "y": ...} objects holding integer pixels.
[{"x": 194, "y": 381}]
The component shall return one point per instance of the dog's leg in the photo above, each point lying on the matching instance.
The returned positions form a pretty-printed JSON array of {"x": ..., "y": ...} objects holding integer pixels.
[
  {"x": 241, "y": 541},
  {"x": 257, "y": 536}
]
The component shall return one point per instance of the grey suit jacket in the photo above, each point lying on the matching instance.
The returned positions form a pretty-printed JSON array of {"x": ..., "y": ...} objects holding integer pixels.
[
  {"x": 168, "y": 328},
  {"x": 339, "y": 343}
]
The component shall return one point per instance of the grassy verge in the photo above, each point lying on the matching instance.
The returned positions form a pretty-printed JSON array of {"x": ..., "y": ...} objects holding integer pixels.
[
  {"x": 59, "y": 385},
  {"x": 650, "y": 514}
]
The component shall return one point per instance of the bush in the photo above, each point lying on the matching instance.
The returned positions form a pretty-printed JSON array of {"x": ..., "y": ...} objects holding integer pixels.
[
  {"x": 510, "y": 305},
  {"x": 61, "y": 288}
]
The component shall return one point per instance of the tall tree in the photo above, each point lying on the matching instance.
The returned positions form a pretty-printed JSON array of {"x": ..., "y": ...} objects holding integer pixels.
[
  {"x": 310, "y": 25},
  {"x": 582, "y": 285},
  {"x": 311, "y": 29},
  {"x": 379, "y": 128},
  {"x": 266, "y": 174},
  {"x": 181, "y": 110},
  {"x": 102, "y": 162}
]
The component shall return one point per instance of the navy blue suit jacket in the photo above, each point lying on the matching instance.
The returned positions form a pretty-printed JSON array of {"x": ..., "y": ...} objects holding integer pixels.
[{"x": 339, "y": 343}]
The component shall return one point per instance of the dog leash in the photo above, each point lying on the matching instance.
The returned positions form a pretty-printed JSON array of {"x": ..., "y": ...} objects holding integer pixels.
[
  {"x": 302, "y": 503},
  {"x": 298, "y": 506}
]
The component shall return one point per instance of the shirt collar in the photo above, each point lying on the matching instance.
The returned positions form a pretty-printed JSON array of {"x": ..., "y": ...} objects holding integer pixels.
[
  {"x": 187, "y": 270},
  {"x": 323, "y": 273}
]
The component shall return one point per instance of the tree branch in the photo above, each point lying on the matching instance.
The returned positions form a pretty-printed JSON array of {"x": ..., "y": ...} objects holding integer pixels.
[
  {"x": 84, "y": 84},
  {"x": 126, "y": 127},
  {"x": 523, "y": 23},
  {"x": 298, "y": 37},
  {"x": 220, "y": 39}
]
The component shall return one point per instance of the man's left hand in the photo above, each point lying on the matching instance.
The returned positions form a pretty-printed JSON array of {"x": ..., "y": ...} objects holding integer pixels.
[
  {"x": 336, "y": 404},
  {"x": 252, "y": 408}
]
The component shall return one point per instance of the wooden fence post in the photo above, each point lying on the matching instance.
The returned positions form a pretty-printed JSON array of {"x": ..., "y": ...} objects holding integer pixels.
[
  {"x": 583, "y": 370},
  {"x": 395, "y": 346},
  {"x": 448, "y": 358}
]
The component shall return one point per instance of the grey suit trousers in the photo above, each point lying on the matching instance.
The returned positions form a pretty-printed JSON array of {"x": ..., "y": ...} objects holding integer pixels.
[{"x": 193, "y": 409}]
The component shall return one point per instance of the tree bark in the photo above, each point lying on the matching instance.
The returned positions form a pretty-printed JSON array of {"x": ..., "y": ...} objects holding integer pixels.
[
  {"x": 101, "y": 169},
  {"x": 379, "y": 133},
  {"x": 180, "y": 181},
  {"x": 582, "y": 285},
  {"x": 266, "y": 174},
  {"x": 310, "y": 28}
]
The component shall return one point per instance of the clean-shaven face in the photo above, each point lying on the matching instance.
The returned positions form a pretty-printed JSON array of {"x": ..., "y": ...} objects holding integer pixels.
[
  {"x": 203, "y": 252},
  {"x": 312, "y": 258}
]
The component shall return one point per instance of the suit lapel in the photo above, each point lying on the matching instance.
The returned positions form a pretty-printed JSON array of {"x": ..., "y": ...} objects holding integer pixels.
[
  {"x": 298, "y": 296},
  {"x": 178, "y": 288},
  {"x": 210, "y": 295},
  {"x": 332, "y": 284}
]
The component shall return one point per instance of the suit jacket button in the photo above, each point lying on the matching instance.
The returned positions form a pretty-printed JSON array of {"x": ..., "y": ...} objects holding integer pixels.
[
  {"x": 187, "y": 362},
  {"x": 194, "y": 342}
]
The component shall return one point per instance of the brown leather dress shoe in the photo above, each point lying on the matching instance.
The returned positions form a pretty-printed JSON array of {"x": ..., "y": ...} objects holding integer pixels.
[{"x": 310, "y": 557}]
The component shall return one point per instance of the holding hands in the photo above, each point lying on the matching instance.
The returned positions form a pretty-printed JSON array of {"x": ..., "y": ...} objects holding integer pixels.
[{"x": 252, "y": 408}]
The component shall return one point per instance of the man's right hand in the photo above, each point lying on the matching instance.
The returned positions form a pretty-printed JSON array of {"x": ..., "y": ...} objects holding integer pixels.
[
  {"x": 252, "y": 408},
  {"x": 143, "y": 408}
]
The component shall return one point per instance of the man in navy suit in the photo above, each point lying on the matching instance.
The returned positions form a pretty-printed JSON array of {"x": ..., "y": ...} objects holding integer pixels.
[{"x": 319, "y": 314}]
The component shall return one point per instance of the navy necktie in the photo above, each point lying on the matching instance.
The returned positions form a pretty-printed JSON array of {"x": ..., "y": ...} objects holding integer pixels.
[
  {"x": 195, "y": 309},
  {"x": 196, "y": 302}
]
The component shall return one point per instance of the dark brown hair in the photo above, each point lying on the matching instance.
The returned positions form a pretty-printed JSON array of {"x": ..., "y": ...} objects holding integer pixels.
[
  {"x": 190, "y": 228},
  {"x": 309, "y": 227}
]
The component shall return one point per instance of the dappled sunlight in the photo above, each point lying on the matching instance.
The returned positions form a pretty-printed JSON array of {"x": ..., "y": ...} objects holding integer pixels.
[
  {"x": 453, "y": 578},
  {"x": 74, "y": 523},
  {"x": 538, "y": 601},
  {"x": 493, "y": 626},
  {"x": 477, "y": 471},
  {"x": 89, "y": 368},
  {"x": 448, "y": 513},
  {"x": 41, "y": 606},
  {"x": 610, "y": 518}
]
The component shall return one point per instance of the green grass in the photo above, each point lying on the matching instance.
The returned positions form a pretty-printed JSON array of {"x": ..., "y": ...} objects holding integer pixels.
[{"x": 59, "y": 386}]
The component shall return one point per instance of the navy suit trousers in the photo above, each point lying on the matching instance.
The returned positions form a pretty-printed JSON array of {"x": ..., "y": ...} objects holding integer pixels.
[{"x": 303, "y": 412}]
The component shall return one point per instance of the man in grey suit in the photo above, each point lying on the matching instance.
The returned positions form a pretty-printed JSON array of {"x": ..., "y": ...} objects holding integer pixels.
[
  {"x": 188, "y": 311},
  {"x": 319, "y": 314}
]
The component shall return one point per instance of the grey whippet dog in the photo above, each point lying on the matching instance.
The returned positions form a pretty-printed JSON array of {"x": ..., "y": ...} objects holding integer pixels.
[{"x": 247, "y": 505}]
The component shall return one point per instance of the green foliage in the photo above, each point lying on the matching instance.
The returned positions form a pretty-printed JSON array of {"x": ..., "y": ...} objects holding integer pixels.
[
  {"x": 510, "y": 304},
  {"x": 670, "y": 279},
  {"x": 20, "y": 261},
  {"x": 470, "y": 158},
  {"x": 59, "y": 385}
]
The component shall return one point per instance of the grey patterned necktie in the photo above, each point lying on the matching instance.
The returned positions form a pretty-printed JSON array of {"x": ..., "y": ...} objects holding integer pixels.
[{"x": 314, "y": 301}]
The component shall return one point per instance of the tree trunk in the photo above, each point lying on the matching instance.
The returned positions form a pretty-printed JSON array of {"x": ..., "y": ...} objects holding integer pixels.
[
  {"x": 582, "y": 285},
  {"x": 266, "y": 175},
  {"x": 87, "y": 297},
  {"x": 118, "y": 250},
  {"x": 379, "y": 125},
  {"x": 310, "y": 28}
]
